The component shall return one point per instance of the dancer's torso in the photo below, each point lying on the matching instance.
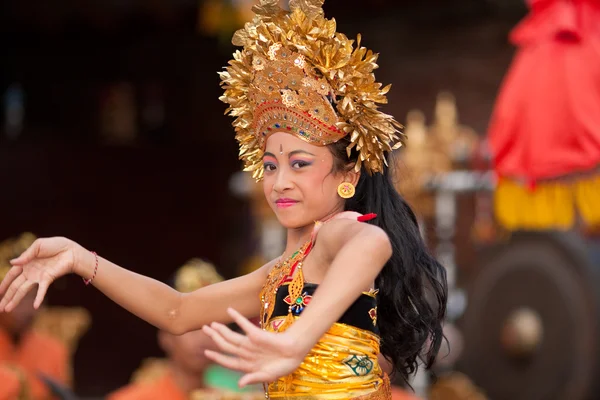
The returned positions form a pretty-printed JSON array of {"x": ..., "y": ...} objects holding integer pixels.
[{"x": 343, "y": 363}]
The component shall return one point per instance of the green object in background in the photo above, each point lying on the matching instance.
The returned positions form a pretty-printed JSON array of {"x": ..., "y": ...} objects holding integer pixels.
[{"x": 226, "y": 379}]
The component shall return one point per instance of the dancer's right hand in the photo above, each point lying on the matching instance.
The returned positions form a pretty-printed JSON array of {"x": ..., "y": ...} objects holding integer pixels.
[{"x": 41, "y": 264}]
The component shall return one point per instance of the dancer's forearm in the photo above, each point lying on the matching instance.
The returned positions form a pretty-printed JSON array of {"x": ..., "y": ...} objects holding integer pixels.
[
  {"x": 166, "y": 308},
  {"x": 149, "y": 299}
]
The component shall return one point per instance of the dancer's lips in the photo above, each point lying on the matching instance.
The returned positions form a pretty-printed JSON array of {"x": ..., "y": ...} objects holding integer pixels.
[{"x": 284, "y": 203}]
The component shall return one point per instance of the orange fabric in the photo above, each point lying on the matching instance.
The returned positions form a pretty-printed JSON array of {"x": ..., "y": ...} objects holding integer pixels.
[
  {"x": 11, "y": 386},
  {"x": 37, "y": 353},
  {"x": 162, "y": 388},
  {"x": 401, "y": 394}
]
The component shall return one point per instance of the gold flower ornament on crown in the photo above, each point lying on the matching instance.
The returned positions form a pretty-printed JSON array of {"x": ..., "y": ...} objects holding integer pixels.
[{"x": 296, "y": 74}]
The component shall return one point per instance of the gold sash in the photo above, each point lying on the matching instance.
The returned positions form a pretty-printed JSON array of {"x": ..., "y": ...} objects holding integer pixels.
[{"x": 342, "y": 365}]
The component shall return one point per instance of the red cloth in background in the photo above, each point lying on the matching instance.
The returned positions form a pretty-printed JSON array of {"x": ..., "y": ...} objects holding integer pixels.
[{"x": 546, "y": 122}]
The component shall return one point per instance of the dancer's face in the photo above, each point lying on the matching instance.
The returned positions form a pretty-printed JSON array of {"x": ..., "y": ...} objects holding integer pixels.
[{"x": 300, "y": 181}]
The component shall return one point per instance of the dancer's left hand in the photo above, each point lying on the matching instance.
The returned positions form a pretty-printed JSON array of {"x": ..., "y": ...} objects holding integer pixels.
[{"x": 263, "y": 356}]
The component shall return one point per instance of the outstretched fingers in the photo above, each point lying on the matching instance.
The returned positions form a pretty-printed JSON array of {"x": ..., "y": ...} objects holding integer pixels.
[
  {"x": 11, "y": 275},
  {"x": 231, "y": 336},
  {"x": 230, "y": 362},
  {"x": 228, "y": 341},
  {"x": 243, "y": 322},
  {"x": 19, "y": 294},
  {"x": 256, "y": 335},
  {"x": 255, "y": 377},
  {"x": 29, "y": 254},
  {"x": 41, "y": 293},
  {"x": 11, "y": 291}
]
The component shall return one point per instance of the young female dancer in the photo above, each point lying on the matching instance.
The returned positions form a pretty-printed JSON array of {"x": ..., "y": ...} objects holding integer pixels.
[{"x": 355, "y": 279}]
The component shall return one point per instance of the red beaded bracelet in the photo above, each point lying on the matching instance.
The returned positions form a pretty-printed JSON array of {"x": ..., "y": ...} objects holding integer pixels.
[{"x": 88, "y": 281}]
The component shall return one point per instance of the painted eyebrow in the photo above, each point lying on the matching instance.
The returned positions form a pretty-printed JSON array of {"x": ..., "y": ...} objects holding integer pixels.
[{"x": 291, "y": 153}]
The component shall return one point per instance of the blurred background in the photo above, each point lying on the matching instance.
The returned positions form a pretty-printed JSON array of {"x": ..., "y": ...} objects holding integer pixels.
[{"x": 113, "y": 135}]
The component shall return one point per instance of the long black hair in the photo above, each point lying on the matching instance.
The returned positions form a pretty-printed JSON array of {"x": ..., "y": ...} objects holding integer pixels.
[{"x": 412, "y": 285}]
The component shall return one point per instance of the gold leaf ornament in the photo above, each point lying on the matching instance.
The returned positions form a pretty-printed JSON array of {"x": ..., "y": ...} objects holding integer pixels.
[{"x": 263, "y": 98}]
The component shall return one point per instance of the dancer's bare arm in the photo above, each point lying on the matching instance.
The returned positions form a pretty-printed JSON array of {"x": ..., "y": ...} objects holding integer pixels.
[{"x": 157, "y": 303}]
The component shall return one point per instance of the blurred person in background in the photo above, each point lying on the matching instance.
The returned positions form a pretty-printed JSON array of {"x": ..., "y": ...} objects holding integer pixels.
[
  {"x": 186, "y": 373},
  {"x": 26, "y": 352}
]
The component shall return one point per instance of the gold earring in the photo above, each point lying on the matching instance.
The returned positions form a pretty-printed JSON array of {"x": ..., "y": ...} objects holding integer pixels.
[{"x": 346, "y": 190}]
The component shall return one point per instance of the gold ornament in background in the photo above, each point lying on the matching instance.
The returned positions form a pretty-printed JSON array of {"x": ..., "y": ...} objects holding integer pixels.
[
  {"x": 222, "y": 17},
  {"x": 219, "y": 17},
  {"x": 329, "y": 72},
  {"x": 23, "y": 242},
  {"x": 150, "y": 370},
  {"x": 3, "y": 271},
  {"x": 459, "y": 141},
  {"x": 196, "y": 274},
  {"x": 12, "y": 248},
  {"x": 261, "y": 208},
  {"x": 417, "y": 162},
  {"x": 455, "y": 386},
  {"x": 67, "y": 324},
  {"x": 252, "y": 263}
]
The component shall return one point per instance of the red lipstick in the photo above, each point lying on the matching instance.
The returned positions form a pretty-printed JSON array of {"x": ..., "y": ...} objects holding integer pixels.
[{"x": 283, "y": 203}]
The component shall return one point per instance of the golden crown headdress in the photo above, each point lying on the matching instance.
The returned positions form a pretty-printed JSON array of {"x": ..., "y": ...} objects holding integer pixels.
[
  {"x": 296, "y": 74},
  {"x": 196, "y": 274}
]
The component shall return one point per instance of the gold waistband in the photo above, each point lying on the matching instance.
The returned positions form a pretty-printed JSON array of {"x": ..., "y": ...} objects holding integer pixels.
[
  {"x": 342, "y": 365},
  {"x": 382, "y": 392}
]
